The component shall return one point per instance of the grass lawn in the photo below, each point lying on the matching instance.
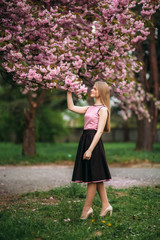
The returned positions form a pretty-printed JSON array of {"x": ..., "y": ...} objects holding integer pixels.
[
  {"x": 48, "y": 153},
  {"x": 54, "y": 215}
]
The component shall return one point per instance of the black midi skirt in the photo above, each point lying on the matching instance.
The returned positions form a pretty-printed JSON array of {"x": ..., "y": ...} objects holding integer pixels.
[{"x": 95, "y": 169}]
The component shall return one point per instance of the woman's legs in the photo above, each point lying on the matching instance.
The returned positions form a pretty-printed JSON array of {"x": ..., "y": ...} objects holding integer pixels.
[
  {"x": 103, "y": 196},
  {"x": 91, "y": 190}
]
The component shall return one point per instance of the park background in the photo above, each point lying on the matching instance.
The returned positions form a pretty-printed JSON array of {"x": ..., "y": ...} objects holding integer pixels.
[{"x": 55, "y": 128}]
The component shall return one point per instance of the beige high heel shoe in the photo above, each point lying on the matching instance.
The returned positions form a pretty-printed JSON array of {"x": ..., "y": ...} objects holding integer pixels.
[
  {"x": 90, "y": 212},
  {"x": 108, "y": 209}
]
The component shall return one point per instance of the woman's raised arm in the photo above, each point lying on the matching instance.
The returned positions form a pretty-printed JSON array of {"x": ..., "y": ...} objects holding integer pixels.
[{"x": 72, "y": 107}]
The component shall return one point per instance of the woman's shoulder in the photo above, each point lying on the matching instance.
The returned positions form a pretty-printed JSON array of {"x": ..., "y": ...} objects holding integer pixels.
[
  {"x": 103, "y": 109},
  {"x": 98, "y": 107}
]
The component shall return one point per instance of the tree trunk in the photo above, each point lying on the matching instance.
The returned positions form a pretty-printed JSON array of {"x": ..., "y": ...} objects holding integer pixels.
[
  {"x": 146, "y": 135},
  {"x": 30, "y": 127},
  {"x": 147, "y": 130},
  {"x": 154, "y": 80},
  {"x": 142, "y": 80}
]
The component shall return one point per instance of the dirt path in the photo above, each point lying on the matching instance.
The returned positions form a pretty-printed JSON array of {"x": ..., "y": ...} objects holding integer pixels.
[{"x": 20, "y": 179}]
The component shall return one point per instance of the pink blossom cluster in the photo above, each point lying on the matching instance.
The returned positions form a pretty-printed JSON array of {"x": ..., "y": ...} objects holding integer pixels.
[
  {"x": 66, "y": 44},
  {"x": 133, "y": 98},
  {"x": 150, "y": 97},
  {"x": 149, "y": 7},
  {"x": 157, "y": 104}
]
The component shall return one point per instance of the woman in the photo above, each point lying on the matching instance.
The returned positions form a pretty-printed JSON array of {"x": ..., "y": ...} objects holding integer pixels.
[{"x": 90, "y": 165}]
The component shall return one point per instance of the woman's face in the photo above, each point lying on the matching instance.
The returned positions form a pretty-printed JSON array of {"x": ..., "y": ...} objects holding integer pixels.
[{"x": 94, "y": 92}]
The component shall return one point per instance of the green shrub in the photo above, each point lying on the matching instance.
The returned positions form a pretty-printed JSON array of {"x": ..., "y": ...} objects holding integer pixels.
[{"x": 49, "y": 125}]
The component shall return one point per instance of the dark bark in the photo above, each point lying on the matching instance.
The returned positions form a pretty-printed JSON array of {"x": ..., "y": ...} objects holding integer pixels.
[
  {"x": 142, "y": 80},
  {"x": 154, "y": 80},
  {"x": 145, "y": 138},
  {"x": 30, "y": 127},
  {"x": 147, "y": 130}
]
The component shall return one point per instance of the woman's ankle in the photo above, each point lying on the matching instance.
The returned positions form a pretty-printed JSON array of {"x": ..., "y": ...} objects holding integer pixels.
[
  {"x": 105, "y": 205},
  {"x": 86, "y": 208}
]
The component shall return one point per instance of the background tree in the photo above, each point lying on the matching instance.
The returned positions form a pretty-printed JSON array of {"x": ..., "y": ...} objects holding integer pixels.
[
  {"x": 48, "y": 126},
  {"x": 30, "y": 127},
  {"x": 148, "y": 52},
  {"x": 12, "y": 104}
]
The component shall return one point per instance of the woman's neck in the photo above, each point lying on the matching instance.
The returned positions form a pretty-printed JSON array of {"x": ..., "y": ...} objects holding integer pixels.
[{"x": 98, "y": 102}]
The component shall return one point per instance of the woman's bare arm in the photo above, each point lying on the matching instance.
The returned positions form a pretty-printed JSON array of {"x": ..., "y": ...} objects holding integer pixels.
[
  {"x": 101, "y": 125},
  {"x": 72, "y": 107}
]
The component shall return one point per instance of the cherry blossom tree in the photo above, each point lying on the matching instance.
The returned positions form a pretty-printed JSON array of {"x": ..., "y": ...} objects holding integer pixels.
[
  {"x": 148, "y": 53},
  {"x": 69, "y": 44}
]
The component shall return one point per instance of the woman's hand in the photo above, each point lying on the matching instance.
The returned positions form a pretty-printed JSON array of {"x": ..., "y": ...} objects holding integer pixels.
[
  {"x": 87, "y": 155},
  {"x": 72, "y": 107}
]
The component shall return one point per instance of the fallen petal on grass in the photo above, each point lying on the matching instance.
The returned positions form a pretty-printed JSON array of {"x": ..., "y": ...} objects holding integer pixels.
[{"x": 67, "y": 220}]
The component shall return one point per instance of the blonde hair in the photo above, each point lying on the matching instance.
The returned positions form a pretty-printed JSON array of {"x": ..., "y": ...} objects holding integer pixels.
[{"x": 104, "y": 94}]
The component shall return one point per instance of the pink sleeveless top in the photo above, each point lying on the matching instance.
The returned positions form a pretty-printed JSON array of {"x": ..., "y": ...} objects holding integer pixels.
[{"x": 91, "y": 117}]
